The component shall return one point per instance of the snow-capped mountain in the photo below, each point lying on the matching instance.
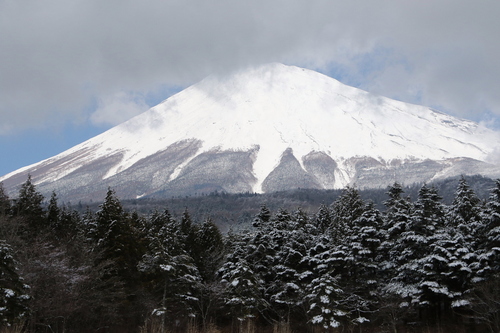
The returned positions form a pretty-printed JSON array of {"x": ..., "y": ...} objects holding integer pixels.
[{"x": 269, "y": 128}]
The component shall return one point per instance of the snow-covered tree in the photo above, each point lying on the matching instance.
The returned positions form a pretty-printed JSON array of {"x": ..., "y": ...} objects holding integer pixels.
[
  {"x": 243, "y": 289},
  {"x": 416, "y": 260},
  {"x": 324, "y": 298},
  {"x": 207, "y": 250},
  {"x": 489, "y": 237},
  {"x": 115, "y": 254},
  {"x": 28, "y": 206},
  {"x": 169, "y": 269},
  {"x": 398, "y": 212},
  {"x": 395, "y": 223},
  {"x": 347, "y": 208},
  {"x": 362, "y": 263},
  {"x": 323, "y": 219},
  {"x": 13, "y": 292},
  {"x": 263, "y": 217},
  {"x": 320, "y": 278},
  {"x": 464, "y": 214}
]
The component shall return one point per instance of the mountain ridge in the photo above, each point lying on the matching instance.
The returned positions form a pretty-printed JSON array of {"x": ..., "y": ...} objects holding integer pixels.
[{"x": 243, "y": 124}]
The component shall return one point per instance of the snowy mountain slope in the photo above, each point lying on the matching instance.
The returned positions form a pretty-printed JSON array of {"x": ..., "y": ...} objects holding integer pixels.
[{"x": 263, "y": 129}]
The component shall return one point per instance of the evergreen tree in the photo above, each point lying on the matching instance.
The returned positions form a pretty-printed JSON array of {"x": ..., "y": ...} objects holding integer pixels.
[
  {"x": 428, "y": 213},
  {"x": 242, "y": 289},
  {"x": 463, "y": 223},
  {"x": 169, "y": 269},
  {"x": 323, "y": 219},
  {"x": 69, "y": 224},
  {"x": 263, "y": 217},
  {"x": 464, "y": 215},
  {"x": 13, "y": 292},
  {"x": 115, "y": 263},
  {"x": 208, "y": 250},
  {"x": 188, "y": 230},
  {"x": 53, "y": 213},
  {"x": 347, "y": 208},
  {"x": 417, "y": 264},
  {"x": 490, "y": 235},
  {"x": 396, "y": 222},
  {"x": 28, "y": 205},
  {"x": 324, "y": 296},
  {"x": 398, "y": 212},
  {"x": 362, "y": 264},
  {"x": 4, "y": 202},
  {"x": 325, "y": 299},
  {"x": 111, "y": 210}
]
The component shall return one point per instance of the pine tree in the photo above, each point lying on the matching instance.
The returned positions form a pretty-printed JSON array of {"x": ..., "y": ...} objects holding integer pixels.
[
  {"x": 347, "y": 208},
  {"x": 188, "y": 230},
  {"x": 490, "y": 235},
  {"x": 362, "y": 247},
  {"x": 4, "y": 202},
  {"x": 13, "y": 292},
  {"x": 325, "y": 299},
  {"x": 323, "y": 219},
  {"x": 111, "y": 210},
  {"x": 396, "y": 222},
  {"x": 53, "y": 213},
  {"x": 398, "y": 212},
  {"x": 115, "y": 262},
  {"x": 242, "y": 289},
  {"x": 321, "y": 279},
  {"x": 208, "y": 250},
  {"x": 169, "y": 269},
  {"x": 28, "y": 206},
  {"x": 263, "y": 217},
  {"x": 463, "y": 223},
  {"x": 417, "y": 264},
  {"x": 464, "y": 214}
]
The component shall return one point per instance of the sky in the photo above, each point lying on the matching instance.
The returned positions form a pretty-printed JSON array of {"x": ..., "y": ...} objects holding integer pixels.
[{"x": 71, "y": 69}]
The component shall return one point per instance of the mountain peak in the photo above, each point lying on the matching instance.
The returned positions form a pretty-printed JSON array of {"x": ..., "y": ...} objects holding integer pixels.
[{"x": 261, "y": 122}]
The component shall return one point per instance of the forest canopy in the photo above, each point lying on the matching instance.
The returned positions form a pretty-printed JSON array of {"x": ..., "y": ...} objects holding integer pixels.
[{"x": 348, "y": 264}]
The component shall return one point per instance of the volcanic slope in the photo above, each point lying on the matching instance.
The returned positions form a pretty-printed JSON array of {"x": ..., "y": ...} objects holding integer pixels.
[{"x": 263, "y": 129}]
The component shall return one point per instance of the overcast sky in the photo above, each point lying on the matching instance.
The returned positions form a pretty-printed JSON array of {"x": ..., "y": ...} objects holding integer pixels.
[{"x": 69, "y": 69}]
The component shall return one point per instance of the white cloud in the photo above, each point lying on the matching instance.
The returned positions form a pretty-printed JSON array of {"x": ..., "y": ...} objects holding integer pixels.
[
  {"x": 115, "y": 109},
  {"x": 59, "y": 55}
]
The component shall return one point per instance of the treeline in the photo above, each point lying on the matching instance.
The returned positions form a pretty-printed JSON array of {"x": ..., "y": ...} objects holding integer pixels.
[{"x": 350, "y": 266}]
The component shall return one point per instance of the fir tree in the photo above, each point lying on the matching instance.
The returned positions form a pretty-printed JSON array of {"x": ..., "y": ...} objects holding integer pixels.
[
  {"x": 325, "y": 302},
  {"x": 398, "y": 212},
  {"x": 490, "y": 235},
  {"x": 169, "y": 269},
  {"x": 13, "y": 292},
  {"x": 416, "y": 260},
  {"x": 53, "y": 213},
  {"x": 321, "y": 278},
  {"x": 115, "y": 262},
  {"x": 396, "y": 222},
  {"x": 347, "y": 208},
  {"x": 4, "y": 202},
  {"x": 207, "y": 250},
  {"x": 362, "y": 263},
  {"x": 323, "y": 219},
  {"x": 464, "y": 215},
  {"x": 263, "y": 217},
  {"x": 242, "y": 289},
  {"x": 28, "y": 205}
]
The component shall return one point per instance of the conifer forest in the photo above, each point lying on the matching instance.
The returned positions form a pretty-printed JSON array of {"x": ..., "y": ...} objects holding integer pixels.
[{"x": 417, "y": 265}]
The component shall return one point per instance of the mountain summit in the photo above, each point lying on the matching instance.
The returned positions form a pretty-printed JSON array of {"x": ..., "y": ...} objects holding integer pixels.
[{"x": 269, "y": 128}]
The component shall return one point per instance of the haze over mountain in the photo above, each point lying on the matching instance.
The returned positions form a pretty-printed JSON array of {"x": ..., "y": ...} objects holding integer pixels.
[{"x": 265, "y": 129}]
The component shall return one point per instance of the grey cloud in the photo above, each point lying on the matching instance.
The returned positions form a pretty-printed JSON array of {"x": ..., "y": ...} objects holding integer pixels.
[{"x": 56, "y": 56}]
